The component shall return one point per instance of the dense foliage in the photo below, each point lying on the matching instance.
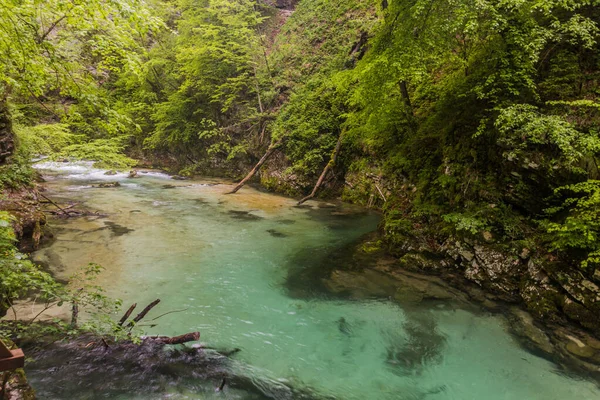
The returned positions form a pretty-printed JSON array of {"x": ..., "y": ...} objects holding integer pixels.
[{"x": 474, "y": 118}]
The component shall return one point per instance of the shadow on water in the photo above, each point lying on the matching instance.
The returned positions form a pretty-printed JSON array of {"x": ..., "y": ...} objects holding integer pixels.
[{"x": 307, "y": 269}]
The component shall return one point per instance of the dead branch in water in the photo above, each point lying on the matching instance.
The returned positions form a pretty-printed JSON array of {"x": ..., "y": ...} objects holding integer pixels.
[
  {"x": 143, "y": 313},
  {"x": 64, "y": 211},
  {"x": 170, "y": 312},
  {"x": 127, "y": 314}
]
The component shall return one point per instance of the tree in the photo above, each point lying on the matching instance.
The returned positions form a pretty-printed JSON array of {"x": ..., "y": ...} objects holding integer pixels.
[{"x": 68, "y": 50}]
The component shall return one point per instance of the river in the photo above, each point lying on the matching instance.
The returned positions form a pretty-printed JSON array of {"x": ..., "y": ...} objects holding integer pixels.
[{"x": 231, "y": 261}]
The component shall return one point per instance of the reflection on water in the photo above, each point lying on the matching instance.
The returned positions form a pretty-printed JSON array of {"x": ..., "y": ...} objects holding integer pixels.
[{"x": 249, "y": 270}]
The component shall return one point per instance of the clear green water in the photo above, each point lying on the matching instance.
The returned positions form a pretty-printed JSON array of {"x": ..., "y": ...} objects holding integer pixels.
[{"x": 195, "y": 249}]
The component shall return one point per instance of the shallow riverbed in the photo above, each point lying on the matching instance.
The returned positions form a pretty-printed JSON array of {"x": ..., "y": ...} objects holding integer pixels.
[{"x": 230, "y": 260}]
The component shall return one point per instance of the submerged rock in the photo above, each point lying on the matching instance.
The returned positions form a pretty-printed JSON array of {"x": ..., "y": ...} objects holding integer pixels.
[
  {"x": 276, "y": 233},
  {"x": 523, "y": 325},
  {"x": 107, "y": 185},
  {"x": 244, "y": 215},
  {"x": 116, "y": 229}
]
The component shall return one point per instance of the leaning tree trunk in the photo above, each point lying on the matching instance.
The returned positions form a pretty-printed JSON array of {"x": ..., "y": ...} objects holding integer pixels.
[
  {"x": 258, "y": 165},
  {"x": 327, "y": 168},
  {"x": 7, "y": 139}
]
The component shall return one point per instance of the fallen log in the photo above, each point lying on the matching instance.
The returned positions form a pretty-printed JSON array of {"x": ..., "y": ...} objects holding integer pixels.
[
  {"x": 188, "y": 337},
  {"x": 327, "y": 168},
  {"x": 258, "y": 165}
]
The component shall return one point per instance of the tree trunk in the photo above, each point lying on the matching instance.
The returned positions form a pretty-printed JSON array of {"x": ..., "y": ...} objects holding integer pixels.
[
  {"x": 406, "y": 97},
  {"x": 327, "y": 168},
  {"x": 258, "y": 165},
  {"x": 7, "y": 139}
]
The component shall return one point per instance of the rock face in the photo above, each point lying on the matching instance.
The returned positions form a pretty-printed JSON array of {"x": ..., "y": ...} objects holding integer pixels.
[
  {"x": 552, "y": 292},
  {"x": 7, "y": 142},
  {"x": 563, "y": 300}
]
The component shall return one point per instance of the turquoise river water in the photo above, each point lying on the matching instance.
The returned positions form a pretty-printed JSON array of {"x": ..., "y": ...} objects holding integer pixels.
[{"x": 232, "y": 262}]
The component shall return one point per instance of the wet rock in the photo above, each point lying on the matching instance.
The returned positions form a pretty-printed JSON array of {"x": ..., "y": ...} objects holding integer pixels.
[
  {"x": 593, "y": 343},
  {"x": 414, "y": 261},
  {"x": 180, "y": 178},
  {"x": 168, "y": 186},
  {"x": 523, "y": 325},
  {"x": 467, "y": 255},
  {"x": 580, "y": 351},
  {"x": 578, "y": 312},
  {"x": 133, "y": 174},
  {"x": 110, "y": 172},
  {"x": 495, "y": 271},
  {"x": 360, "y": 285},
  {"x": 402, "y": 286},
  {"x": 596, "y": 276}
]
